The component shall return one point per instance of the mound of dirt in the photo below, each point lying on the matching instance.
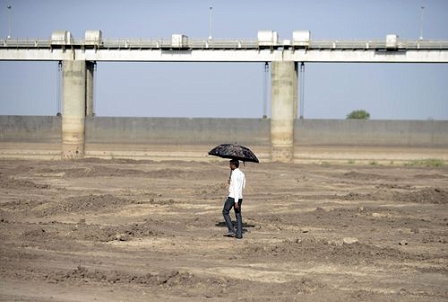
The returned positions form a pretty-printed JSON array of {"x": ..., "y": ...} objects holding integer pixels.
[
  {"x": 92, "y": 232},
  {"x": 82, "y": 204},
  {"x": 315, "y": 250},
  {"x": 20, "y": 184},
  {"x": 427, "y": 195}
]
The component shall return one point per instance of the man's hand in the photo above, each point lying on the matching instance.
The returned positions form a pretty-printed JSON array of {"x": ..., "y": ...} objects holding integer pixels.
[{"x": 237, "y": 205}]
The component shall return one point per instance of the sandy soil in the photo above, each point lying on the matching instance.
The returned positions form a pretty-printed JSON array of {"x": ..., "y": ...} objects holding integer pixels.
[{"x": 126, "y": 230}]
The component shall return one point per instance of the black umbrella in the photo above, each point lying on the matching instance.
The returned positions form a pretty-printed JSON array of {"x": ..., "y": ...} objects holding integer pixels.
[{"x": 234, "y": 151}]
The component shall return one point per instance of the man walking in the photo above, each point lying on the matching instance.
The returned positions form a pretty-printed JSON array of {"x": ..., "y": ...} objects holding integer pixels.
[{"x": 235, "y": 200}]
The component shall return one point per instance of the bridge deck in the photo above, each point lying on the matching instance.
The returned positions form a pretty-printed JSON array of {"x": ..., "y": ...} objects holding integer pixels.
[{"x": 421, "y": 51}]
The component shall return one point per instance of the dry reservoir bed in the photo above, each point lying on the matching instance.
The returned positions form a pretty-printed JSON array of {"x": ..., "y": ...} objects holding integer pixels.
[{"x": 125, "y": 230}]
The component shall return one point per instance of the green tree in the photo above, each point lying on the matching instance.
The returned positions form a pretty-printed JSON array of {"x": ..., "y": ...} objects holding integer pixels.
[{"x": 358, "y": 115}]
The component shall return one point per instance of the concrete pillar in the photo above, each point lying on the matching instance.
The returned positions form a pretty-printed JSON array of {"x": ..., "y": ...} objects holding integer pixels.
[
  {"x": 73, "y": 108},
  {"x": 90, "y": 109},
  {"x": 283, "y": 110}
]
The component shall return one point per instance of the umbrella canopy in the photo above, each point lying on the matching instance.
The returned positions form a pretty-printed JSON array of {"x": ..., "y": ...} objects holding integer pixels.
[{"x": 233, "y": 151}]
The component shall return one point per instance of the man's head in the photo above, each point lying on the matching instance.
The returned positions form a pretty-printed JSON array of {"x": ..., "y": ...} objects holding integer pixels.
[{"x": 234, "y": 163}]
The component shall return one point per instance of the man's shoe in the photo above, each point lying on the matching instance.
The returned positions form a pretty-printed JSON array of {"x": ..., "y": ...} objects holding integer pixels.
[{"x": 230, "y": 234}]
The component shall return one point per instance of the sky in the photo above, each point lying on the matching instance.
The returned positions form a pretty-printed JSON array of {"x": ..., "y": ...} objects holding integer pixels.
[{"x": 396, "y": 91}]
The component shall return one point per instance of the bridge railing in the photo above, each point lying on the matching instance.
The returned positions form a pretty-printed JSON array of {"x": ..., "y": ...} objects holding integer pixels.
[
  {"x": 25, "y": 43},
  {"x": 379, "y": 44},
  {"x": 226, "y": 44},
  {"x": 192, "y": 44}
]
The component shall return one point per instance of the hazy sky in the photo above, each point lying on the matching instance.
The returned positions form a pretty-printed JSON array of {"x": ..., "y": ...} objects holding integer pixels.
[{"x": 228, "y": 90}]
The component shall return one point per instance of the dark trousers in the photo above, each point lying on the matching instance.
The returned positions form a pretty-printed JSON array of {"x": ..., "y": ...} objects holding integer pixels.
[{"x": 230, "y": 202}]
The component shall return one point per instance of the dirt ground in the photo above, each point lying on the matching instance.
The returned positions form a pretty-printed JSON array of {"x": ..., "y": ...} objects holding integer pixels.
[{"x": 127, "y": 230}]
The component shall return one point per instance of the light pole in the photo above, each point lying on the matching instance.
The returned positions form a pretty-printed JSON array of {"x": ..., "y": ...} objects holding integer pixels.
[
  {"x": 9, "y": 21},
  {"x": 421, "y": 25},
  {"x": 210, "y": 22}
]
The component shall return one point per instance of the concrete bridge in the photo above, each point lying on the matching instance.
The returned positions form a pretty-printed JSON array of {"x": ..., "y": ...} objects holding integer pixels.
[{"x": 78, "y": 58}]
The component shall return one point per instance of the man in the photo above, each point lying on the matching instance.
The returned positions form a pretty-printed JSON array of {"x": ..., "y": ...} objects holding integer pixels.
[{"x": 235, "y": 199}]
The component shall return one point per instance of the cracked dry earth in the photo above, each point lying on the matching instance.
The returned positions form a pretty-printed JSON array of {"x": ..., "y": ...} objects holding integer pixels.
[{"x": 125, "y": 230}]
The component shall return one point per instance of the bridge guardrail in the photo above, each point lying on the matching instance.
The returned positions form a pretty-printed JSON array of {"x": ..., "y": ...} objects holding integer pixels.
[
  {"x": 27, "y": 43},
  {"x": 226, "y": 44}
]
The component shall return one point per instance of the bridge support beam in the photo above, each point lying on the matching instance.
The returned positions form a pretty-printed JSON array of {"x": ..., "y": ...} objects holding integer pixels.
[
  {"x": 90, "y": 72},
  {"x": 283, "y": 110},
  {"x": 73, "y": 108}
]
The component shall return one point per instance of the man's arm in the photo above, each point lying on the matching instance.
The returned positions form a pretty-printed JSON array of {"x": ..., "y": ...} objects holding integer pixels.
[{"x": 237, "y": 183}]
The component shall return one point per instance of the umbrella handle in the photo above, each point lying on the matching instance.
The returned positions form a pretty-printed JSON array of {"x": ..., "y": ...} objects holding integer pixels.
[{"x": 230, "y": 176}]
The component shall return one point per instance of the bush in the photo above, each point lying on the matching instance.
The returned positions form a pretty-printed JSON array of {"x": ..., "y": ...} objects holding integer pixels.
[
  {"x": 358, "y": 115},
  {"x": 429, "y": 162}
]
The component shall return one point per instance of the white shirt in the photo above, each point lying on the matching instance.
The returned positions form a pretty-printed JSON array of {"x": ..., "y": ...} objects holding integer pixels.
[{"x": 237, "y": 184}]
